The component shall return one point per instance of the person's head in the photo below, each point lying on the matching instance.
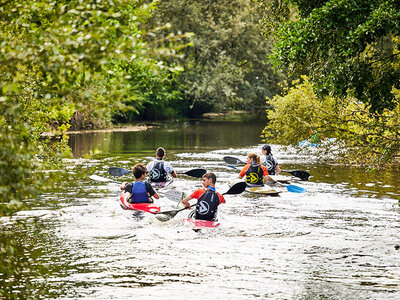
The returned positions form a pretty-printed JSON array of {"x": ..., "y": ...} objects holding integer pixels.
[
  {"x": 160, "y": 153},
  {"x": 266, "y": 149},
  {"x": 209, "y": 179},
  {"x": 252, "y": 157},
  {"x": 139, "y": 170}
]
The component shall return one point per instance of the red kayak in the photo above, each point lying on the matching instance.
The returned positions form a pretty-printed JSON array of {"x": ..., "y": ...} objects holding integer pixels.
[
  {"x": 147, "y": 207},
  {"x": 195, "y": 223}
]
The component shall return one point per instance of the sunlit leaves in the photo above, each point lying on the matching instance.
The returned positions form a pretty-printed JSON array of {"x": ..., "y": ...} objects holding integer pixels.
[
  {"x": 60, "y": 57},
  {"x": 366, "y": 138},
  {"x": 346, "y": 47},
  {"x": 226, "y": 67}
]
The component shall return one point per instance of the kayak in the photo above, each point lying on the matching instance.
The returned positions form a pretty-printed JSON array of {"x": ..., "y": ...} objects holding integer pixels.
[
  {"x": 281, "y": 178},
  {"x": 161, "y": 185},
  {"x": 147, "y": 207},
  {"x": 262, "y": 191},
  {"x": 196, "y": 224}
]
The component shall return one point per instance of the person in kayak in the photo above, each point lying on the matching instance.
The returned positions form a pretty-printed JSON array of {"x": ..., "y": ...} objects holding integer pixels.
[
  {"x": 140, "y": 190},
  {"x": 207, "y": 199},
  {"x": 159, "y": 169},
  {"x": 269, "y": 161},
  {"x": 255, "y": 173}
]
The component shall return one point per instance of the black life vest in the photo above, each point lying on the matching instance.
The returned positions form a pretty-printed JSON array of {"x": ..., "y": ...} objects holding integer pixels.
[
  {"x": 206, "y": 207},
  {"x": 254, "y": 175},
  {"x": 157, "y": 173},
  {"x": 270, "y": 164}
]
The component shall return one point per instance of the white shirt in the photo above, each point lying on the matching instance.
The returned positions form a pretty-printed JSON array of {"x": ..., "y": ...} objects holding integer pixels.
[{"x": 167, "y": 166}]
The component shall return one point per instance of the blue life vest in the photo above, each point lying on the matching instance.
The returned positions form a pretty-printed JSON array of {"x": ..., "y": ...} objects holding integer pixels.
[
  {"x": 206, "y": 207},
  {"x": 157, "y": 173},
  {"x": 254, "y": 174},
  {"x": 139, "y": 193}
]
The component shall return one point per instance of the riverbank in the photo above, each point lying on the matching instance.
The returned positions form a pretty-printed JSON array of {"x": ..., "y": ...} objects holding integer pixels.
[{"x": 239, "y": 116}]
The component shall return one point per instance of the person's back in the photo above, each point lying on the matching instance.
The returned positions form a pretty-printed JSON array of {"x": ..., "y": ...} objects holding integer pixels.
[
  {"x": 141, "y": 192},
  {"x": 255, "y": 172},
  {"x": 159, "y": 169},
  {"x": 269, "y": 161},
  {"x": 255, "y": 175},
  {"x": 208, "y": 199}
]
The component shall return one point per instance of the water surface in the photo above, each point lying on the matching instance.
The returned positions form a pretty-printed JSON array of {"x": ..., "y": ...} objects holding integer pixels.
[{"x": 337, "y": 241}]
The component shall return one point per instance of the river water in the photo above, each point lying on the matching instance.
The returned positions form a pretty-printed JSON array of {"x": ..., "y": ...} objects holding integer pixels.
[{"x": 339, "y": 240}]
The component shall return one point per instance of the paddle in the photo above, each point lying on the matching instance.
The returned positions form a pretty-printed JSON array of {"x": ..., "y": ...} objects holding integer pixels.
[
  {"x": 230, "y": 160},
  {"x": 102, "y": 179},
  {"x": 115, "y": 171},
  {"x": 168, "y": 215},
  {"x": 173, "y": 195},
  {"x": 198, "y": 173},
  {"x": 303, "y": 175},
  {"x": 292, "y": 188}
]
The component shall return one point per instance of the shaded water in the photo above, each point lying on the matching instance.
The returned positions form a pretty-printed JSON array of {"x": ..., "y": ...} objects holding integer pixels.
[{"x": 339, "y": 240}]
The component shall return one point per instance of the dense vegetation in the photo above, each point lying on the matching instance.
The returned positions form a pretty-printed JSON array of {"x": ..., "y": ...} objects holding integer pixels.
[
  {"x": 226, "y": 67},
  {"x": 86, "y": 63},
  {"x": 350, "y": 52},
  {"x": 68, "y": 59},
  {"x": 362, "y": 137}
]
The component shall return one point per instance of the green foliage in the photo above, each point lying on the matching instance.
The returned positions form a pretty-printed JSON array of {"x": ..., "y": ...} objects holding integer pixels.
[
  {"x": 225, "y": 68},
  {"x": 348, "y": 48},
  {"x": 64, "y": 59},
  {"x": 365, "y": 138}
]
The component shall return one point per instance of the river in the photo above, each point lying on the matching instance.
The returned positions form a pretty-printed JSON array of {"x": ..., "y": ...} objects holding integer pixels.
[{"x": 339, "y": 240}]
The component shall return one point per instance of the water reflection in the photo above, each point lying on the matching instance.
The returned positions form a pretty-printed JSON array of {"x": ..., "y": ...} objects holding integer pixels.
[{"x": 172, "y": 136}]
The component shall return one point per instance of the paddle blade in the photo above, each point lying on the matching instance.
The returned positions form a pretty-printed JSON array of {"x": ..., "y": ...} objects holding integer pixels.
[
  {"x": 303, "y": 175},
  {"x": 237, "y": 188},
  {"x": 173, "y": 195},
  {"x": 115, "y": 171},
  {"x": 197, "y": 173},
  {"x": 102, "y": 179},
  {"x": 165, "y": 216},
  {"x": 295, "y": 189},
  {"x": 230, "y": 160}
]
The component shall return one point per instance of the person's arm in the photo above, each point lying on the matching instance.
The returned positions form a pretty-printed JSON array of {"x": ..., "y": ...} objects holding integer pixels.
[
  {"x": 266, "y": 175},
  {"x": 127, "y": 188},
  {"x": 185, "y": 201},
  {"x": 278, "y": 169},
  {"x": 123, "y": 185},
  {"x": 170, "y": 170},
  {"x": 151, "y": 191},
  {"x": 243, "y": 172},
  {"x": 195, "y": 195},
  {"x": 149, "y": 166}
]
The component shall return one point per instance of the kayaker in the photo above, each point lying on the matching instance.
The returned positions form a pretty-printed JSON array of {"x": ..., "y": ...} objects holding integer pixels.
[
  {"x": 255, "y": 172},
  {"x": 159, "y": 169},
  {"x": 269, "y": 161},
  {"x": 208, "y": 199},
  {"x": 140, "y": 190}
]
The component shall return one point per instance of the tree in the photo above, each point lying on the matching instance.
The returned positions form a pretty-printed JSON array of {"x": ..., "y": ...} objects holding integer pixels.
[
  {"x": 59, "y": 57},
  {"x": 348, "y": 48},
  {"x": 364, "y": 138},
  {"x": 225, "y": 68}
]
